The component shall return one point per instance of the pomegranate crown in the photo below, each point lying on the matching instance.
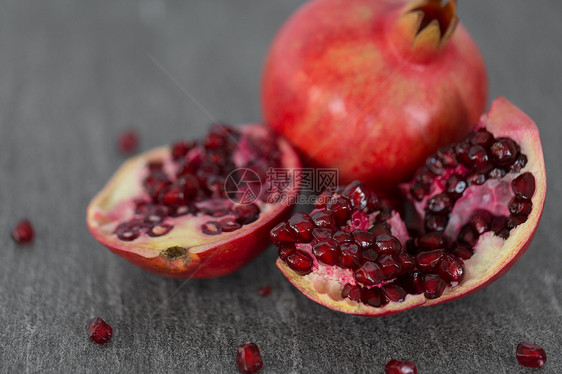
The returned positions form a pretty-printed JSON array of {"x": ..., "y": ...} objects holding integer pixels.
[{"x": 434, "y": 20}]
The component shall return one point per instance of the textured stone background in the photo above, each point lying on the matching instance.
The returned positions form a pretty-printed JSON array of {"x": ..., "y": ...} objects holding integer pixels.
[{"x": 74, "y": 74}]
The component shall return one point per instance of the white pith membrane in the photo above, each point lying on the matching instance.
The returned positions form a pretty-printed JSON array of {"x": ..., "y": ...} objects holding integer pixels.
[
  {"x": 492, "y": 254},
  {"x": 115, "y": 203}
]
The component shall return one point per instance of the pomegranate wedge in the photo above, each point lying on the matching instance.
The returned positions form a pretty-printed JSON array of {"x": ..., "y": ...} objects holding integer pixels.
[
  {"x": 198, "y": 208},
  {"x": 478, "y": 204}
]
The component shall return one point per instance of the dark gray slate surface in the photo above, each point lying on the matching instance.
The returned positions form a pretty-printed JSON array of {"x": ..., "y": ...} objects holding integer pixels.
[{"x": 73, "y": 74}]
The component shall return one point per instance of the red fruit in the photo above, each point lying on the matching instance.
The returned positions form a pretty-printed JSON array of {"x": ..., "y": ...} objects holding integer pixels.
[
  {"x": 400, "y": 367},
  {"x": 530, "y": 354},
  {"x": 467, "y": 237},
  {"x": 128, "y": 142},
  {"x": 248, "y": 358},
  {"x": 356, "y": 84},
  {"x": 174, "y": 225},
  {"x": 98, "y": 330},
  {"x": 23, "y": 233}
]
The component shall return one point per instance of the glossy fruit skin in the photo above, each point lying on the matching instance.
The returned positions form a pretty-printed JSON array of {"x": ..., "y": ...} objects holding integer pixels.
[{"x": 339, "y": 86}]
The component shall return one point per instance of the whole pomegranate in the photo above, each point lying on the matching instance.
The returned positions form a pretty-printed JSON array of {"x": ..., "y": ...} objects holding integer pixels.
[{"x": 373, "y": 87}]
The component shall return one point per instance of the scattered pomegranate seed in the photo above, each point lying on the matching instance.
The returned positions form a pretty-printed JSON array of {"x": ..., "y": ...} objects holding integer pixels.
[
  {"x": 98, "y": 330},
  {"x": 400, "y": 367},
  {"x": 264, "y": 291},
  {"x": 248, "y": 358},
  {"x": 23, "y": 233},
  {"x": 530, "y": 354},
  {"x": 127, "y": 142}
]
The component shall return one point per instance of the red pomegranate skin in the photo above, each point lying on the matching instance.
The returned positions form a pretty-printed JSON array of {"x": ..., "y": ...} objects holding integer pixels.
[{"x": 343, "y": 83}]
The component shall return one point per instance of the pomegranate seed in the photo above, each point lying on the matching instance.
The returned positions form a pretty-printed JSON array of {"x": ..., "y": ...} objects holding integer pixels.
[
  {"x": 364, "y": 239},
  {"x": 520, "y": 207},
  {"x": 434, "y": 164},
  {"x": 400, "y": 367},
  {"x": 479, "y": 158},
  {"x": 481, "y": 221},
  {"x": 461, "y": 149},
  {"x": 369, "y": 255},
  {"x": 373, "y": 297},
  {"x": 407, "y": 261},
  {"x": 530, "y": 354},
  {"x": 373, "y": 204},
  {"x": 519, "y": 164},
  {"x": 341, "y": 210},
  {"x": 350, "y": 256},
  {"x": 432, "y": 240},
  {"x": 380, "y": 228},
  {"x": 524, "y": 186},
  {"x": 427, "y": 261},
  {"x": 436, "y": 222},
  {"x": 418, "y": 191},
  {"x": 463, "y": 251},
  {"x": 476, "y": 179},
  {"x": 440, "y": 204},
  {"x": 302, "y": 225},
  {"x": 282, "y": 233},
  {"x": 323, "y": 218},
  {"x": 369, "y": 274},
  {"x": 468, "y": 235},
  {"x": 497, "y": 173},
  {"x": 248, "y": 358},
  {"x": 159, "y": 230},
  {"x": 212, "y": 228},
  {"x": 503, "y": 152},
  {"x": 390, "y": 266},
  {"x": 456, "y": 186},
  {"x": 173, "y": 196},
  {"x": 23, "y": 232},
  {"x": 434, "y": 286},
  {"x": 326, "y": 252},
  {"x": 180, "y": 148},
  {"x": 300, "y": 262},
  {"x": 448, "y": 156},
  {"x": 98, "y": 330},
  {"x": 351, "y": 292},
  {"x": 247, "y": 213},
  {"x": 357, "y": 194},
  {"x": 385, "y": 243},
  {"x": 482, "y": 137},
  {"x": 127, "y": 142},
  {"x": 413, "y": 283},
  {"x": 394, "y": 292},
  {"x": 264, "y": 291},
  {"x": 229, "y": 225},
  {"x": 451, "y": 269},
  {"x": 514, "y": 221},
  {"x": 284, "y": 252},
  {"x": 342, "y": 237},
  {"x": 155, "y": 165},
  {"x": 128, "y": 235},
  {"x": 322, "y": 235}
]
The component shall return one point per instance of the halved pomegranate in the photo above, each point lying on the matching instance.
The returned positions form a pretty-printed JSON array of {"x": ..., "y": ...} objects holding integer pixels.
[
  {"x": 199, "y": 208},
  {"x": 478, "y": 204}
]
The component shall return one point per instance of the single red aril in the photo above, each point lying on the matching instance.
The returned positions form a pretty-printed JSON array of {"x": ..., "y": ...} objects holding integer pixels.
[
  {"x": 182, "y": 211},
  {"x": 463, "y": 238},
  {"x": 400, "y": 367},
  {"x": 127, "y": 142},
  {"x": 98, "y": 330},
  {"x": 530, "y": 354},
  {"x": 248, "y": 358},
  {"x": 372, "y": 88},
  {"x": 23, "y": 232},
  {"x": 264, "y": 291}
]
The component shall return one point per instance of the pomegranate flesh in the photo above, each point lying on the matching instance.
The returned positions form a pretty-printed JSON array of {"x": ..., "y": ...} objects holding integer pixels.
[
  {"x": 198, "y": 208},
  {"x": 370, "y": 264},
  {"x": 373, "y": 87}
]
